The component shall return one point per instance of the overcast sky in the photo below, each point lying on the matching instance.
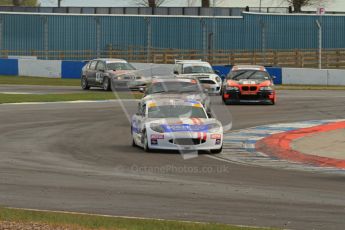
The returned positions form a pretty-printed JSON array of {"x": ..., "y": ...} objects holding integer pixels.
[{"x": 331, "y": 5}]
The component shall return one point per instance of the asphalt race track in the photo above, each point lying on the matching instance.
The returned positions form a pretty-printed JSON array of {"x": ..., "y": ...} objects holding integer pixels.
[{"x": 78, "y": 157}]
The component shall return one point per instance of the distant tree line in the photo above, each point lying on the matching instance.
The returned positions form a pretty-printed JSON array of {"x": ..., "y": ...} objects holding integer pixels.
[{"x": 296, "y": 4}]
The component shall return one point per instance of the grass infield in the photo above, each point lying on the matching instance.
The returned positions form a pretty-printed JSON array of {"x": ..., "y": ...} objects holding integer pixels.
[
  {"x": 84, "y": 221},
  {"x": 25, "y": 3},
  {"x": 14, "y": 80},
  {"x": 19, "y": 98}
]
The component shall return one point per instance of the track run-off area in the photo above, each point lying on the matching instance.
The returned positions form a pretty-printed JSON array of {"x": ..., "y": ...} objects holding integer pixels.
[{"x": 78, "y": 157}]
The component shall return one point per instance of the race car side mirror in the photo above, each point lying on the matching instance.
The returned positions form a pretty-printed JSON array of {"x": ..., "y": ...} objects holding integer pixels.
[
  {"x": 175, "y": 72},
  {"x": 273, "y": 77},
  {"x": 217, "y": 72},
  {"x": 141, "y": 90}
]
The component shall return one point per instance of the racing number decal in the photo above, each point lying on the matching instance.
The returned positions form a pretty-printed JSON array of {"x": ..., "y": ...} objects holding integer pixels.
[{"x": 98, "y": 77}]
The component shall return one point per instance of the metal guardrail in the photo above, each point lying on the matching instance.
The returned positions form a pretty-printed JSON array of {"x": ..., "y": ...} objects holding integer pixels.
[{"x": 332, "y": 58}]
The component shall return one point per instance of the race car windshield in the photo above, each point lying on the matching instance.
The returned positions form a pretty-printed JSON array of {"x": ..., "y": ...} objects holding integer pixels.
[
  {"x": 197, "y": 69},
  {"x": 249, "y": 74},
  {"x": 173, "y": 87},
  {"x": 176, "y": 111},
  {"x": 120, "y": 66}
]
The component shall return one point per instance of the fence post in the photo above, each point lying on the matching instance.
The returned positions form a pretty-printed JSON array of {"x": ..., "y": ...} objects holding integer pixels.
[
  {"x": 275, "y": 58},
  {"x": 297, "y": 62},
  {"x": 1, "y": 31},
  {"x": 337, "y": 54},
  {"x": 149, "y": 38},
  {"x": 319, "y": 26},
  {"x": 98, "y": 37},
  {"x": 263, "y": 39},
  {"x": 204, "y": 38},
  {"x": 45, "y": 37}
]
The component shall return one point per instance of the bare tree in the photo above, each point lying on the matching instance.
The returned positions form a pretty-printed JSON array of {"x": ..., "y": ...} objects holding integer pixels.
[
  {"x": 17, "y": 2},
  {"x": 205, "y": 3},
  {"x": 149, "y": 3},
  {"x": 209, "y": 3},
  {"x": 298, "y": 4}
]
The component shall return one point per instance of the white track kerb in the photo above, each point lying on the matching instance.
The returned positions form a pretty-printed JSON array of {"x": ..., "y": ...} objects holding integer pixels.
[{"x": 239, "y": 147}]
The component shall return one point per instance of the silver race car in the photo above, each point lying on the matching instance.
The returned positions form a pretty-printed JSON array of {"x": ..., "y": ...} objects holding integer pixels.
[{"x": 174, "y": 124}]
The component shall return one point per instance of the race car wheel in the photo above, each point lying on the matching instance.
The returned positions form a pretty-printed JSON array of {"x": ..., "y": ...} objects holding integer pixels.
[
  {"x": 145, "y": 142},
  {"x": 223, "y": 98},
  {"x": 84, "y": 83},
  {"x": 133, "y": 142},
  {"x": 106, "y": 84},
  {"x": 227, "y": 102},
  {"x": 214, "y": 151}
]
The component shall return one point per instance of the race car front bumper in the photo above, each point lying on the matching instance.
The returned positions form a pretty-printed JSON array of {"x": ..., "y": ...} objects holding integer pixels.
[
  {"x": 214, "y": 89},
  {"x": 185, "y": 141},
  {"x": 260, "y": 97},
  {"x": 127, "y": 84}
]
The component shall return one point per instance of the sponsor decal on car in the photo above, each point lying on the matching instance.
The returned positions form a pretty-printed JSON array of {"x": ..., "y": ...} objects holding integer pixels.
[{"x": 184, "y": 128}]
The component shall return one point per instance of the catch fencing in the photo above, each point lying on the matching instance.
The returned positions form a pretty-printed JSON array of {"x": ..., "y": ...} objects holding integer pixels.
[{"x": 291, "y": 40}]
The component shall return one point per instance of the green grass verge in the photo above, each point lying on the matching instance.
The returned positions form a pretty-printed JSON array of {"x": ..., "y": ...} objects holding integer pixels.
[
  {"x": 101, "y": 222},
  {"x": 14, "y": 80},
  {"x": 18, "y": 98},
  {"x": 25, "y": 3}
]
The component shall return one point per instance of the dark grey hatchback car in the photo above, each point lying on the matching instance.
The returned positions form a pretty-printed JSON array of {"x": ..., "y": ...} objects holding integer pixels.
[{"x": 110, "y": 74}]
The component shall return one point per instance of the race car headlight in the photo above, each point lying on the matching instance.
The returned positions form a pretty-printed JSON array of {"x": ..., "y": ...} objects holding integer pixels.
[
  {"x": 218, "y": 79},
  {"x": 232, "y": 88},
  {"x": 157, "y": 128},
  {"x": 266, "y": 88},
  {"x": 213, "y": 128}
]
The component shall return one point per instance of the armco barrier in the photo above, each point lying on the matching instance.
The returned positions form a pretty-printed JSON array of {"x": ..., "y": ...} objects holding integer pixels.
[
  {"x": 39, "y": 68},
  {"x": 9, "y": 67}
]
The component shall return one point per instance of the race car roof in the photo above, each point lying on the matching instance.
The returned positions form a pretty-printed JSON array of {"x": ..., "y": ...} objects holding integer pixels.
[
  {"x": 180, "y": 79},
  {"x": 188, "y": 61},
  {"x": 160, "y": 102},
  {"x": 112, "y": 60},
  {"x": 248, "y": 67}
]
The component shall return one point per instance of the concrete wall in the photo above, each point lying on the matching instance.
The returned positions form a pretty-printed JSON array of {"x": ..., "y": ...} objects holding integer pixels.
[
  {"x": 336, "y": 77},
  {"x": 72, "y": 69},
  {"x": 9, "y": 67},
  {"x": 313, "y": 76},
  {"x": 39, "y": 68}
]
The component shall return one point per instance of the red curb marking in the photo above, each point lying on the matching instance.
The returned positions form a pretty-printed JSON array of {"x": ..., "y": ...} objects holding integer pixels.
[{"x": 279, "y": 145}]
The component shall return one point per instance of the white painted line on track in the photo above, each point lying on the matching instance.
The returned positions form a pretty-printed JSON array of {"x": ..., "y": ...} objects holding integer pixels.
[
  {"x": 70, "y": 102},
  {"x": 239, "y": 147},
  {"x": 321, "y": 96},
  {"x": 21, "y": 93}
]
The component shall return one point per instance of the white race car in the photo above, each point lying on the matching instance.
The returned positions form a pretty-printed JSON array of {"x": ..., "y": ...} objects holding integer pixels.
[
  {"x": 201, "y": 70},
  {"x": 175, "y": 124}
]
